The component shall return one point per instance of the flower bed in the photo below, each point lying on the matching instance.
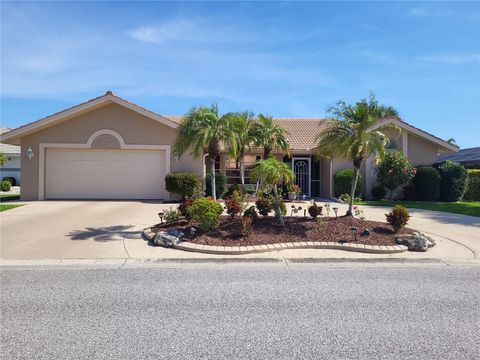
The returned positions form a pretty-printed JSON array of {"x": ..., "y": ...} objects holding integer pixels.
[{"x": 297, "y": 229}]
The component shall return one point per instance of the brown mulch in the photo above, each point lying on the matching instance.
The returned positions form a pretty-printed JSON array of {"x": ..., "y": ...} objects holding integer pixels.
[{"x": 266, "y": 231}]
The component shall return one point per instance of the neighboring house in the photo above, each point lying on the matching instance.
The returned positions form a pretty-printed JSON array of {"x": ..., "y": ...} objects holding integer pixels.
[
  {"x": 469, "y": 158},
  {"x": 12, "y": 167},
  {"x": 109, "y": 148}
]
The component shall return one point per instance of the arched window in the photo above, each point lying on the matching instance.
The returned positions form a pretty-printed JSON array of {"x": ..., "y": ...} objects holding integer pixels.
[{"x": 392, "y": 145}]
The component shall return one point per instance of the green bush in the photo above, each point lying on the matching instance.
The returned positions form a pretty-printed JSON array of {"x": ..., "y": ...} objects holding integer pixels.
[
  {"x": 342, "y": 183},
  {"x": 379, "y": 192},
  {"x": 264, "y": 204},
  {"x": 235, "y": 203},
  {"x": 473, "y": 188},
  {"x": 427, "y": 183},
  {"x": 246, "y": 225},
  {"x": 172, "y": 215},
  {"x": 220, "y": 184},
  {"x": 12, "y": 180},
  {"x": 184, "y": 206},
  {"x": 453, "y": 182},
  {"x": 5, "y": 185},
  {"x": 231, "y": 190},
  {"x": 251, "y": 212},
  {"x": 314, "y": 210},
  {"x": 183, "y": 183},
  {"x": 394, "y": 170},
  {"x": 398, "y": 217},
  {"x": 206, "y": 213}
]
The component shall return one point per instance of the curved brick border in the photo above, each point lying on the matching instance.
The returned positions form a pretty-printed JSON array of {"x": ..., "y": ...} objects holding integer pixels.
[{"x": 239, "y": 250}]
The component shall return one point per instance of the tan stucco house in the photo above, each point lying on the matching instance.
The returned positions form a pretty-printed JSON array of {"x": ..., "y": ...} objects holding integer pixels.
[{"x": 109, "y": 148}]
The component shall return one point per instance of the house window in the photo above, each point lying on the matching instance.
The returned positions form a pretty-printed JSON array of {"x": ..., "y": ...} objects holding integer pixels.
[{"x": 392, "y": 145}]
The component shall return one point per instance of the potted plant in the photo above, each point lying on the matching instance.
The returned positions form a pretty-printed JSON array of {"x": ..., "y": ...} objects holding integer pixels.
[{"x": 293, "y": 191}]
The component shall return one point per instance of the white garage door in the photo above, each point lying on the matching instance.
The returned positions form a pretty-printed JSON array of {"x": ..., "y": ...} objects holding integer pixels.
[{"x": 105, "y": 174}]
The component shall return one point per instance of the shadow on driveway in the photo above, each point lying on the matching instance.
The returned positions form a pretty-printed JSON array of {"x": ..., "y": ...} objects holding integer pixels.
[{"x": 107, "y": 233}]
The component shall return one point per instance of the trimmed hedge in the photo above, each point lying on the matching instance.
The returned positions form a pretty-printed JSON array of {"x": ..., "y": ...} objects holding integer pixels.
[
  {"x": 427, "y": 183},
  {"x": 12, "y": 180},
  {"x": 342, "y": 183},
  {"x": 473, "y": 188},
  {"x": 206, "y": 213},
  {"x": 220, "y": 184},
  {"x": 453, "y": 183},
  {"x": 5, "y": 185},
  {"x": 379, "y": 192},
  {"x": 184, "y": 184}
]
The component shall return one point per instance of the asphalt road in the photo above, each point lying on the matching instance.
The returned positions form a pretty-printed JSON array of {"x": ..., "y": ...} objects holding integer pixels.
[{"x": 242, "y": 313}]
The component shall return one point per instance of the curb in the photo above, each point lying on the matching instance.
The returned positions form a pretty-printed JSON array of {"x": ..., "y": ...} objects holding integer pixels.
[{"x": 241, "y": 250}]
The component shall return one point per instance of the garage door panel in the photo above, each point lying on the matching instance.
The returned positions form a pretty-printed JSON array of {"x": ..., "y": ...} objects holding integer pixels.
[{"x": 105, "y": 174}]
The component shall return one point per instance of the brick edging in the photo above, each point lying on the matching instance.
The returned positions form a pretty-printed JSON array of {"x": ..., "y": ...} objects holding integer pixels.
[{"x": 240, "y": 250}]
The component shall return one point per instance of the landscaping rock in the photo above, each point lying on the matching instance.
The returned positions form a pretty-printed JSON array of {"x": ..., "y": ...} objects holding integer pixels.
[
  {"x": 416, "y": 241},
  {"x": 167, "y": 239}
]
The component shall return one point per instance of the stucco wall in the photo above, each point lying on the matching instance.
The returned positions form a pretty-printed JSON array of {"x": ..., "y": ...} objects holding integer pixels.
[
  {"x": 421, "y": 152},
  {"x": 136, "y": 129}
]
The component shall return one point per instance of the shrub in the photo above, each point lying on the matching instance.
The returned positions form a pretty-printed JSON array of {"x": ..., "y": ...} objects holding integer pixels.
[
  {"x": 453, "y": 182},
  {"x": 12, "y": 180},
  {"x": 473, "y": 188},
  {"x": 379, "y": 192},
  {"x": 427, "y": 183},
  {"x": 342, "y": 183},
  {"x": 231, "y": 190},
  {"x": 184, "y": 206},
  {"x": 205, "y": 212},
  {"x": 394, "y": 170},
  {"x": 235, "y": 203},
  {"x": 172, "y": 215},
  {"x": 220, "y": 184},
  {"x": 183, "y": 183},
  {"x": 251, "y": 212},
  {"x": 5, "y": 185},
  {"x": 314, "y": 210},
  {"x": 264, "y": 204},
  {"x": 345, "y": 198},
  {"x": 246, "y": 225},
  {"x": 398, "y": 217},
  {"x": 409, "y": 192},
  {"x": 283, "y": 207}
]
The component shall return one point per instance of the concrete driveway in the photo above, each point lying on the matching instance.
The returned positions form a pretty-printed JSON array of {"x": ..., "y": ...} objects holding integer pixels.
[{"x": 112, "y": 230}]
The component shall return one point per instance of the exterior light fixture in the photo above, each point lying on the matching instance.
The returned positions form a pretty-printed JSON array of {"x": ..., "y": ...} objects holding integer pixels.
[
  {"x": 161, "y": 215},
  {"x": 30, "y": 153},
  {"x": 303, "y": 197},
  {"x": 354, "y": 231},
  {"x": 335, "y": 210}
]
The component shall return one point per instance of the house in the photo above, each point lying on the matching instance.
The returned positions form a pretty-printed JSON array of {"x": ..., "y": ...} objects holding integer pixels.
[
  {"x": 12, "y": 167},
  {"x": 109, "y": 148},
  {"x": 469, "y": 158}
]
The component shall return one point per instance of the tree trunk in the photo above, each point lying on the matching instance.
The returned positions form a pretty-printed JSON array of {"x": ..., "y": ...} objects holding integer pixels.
[
  {"x": 212, "y": 170},
  {"x": 266, "y": 152},
  {"x": 356, "y": 172},
  {"x": 277, "y": 209},
  {"x": 242, "y": 172}
]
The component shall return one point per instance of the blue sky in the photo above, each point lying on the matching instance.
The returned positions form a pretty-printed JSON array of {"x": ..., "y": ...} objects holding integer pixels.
[{"x": 290, "y": 59}]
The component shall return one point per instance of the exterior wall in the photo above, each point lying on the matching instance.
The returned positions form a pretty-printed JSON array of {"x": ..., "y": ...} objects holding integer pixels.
[
  {"x": 421, "y": 152},
  {"x": 136, "y": 129},
  {"x": 11, "y": 168},
  {"x": 326, "y": 183}
]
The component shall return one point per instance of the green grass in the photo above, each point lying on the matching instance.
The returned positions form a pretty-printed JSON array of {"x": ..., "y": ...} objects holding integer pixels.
[
  {"x": 5, "y": 207},
  {"x": 8, "y": 197},
  {"x": 471, "y": 208}
]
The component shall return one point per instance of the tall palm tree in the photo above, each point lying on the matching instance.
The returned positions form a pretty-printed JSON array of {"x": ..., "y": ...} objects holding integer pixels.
[
  {"x": 273, "y": 172},
  {"x": 242, "y": 138},
  {"x": 355, "y": 132},
  {"x": 202, "y": 131},
  {"x": 3, "y": 158},
  {"x": 270, "y": 136}
]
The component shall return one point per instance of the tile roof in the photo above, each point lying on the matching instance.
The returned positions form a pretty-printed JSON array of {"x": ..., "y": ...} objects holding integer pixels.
[
  {"x": 302, "y": 132},
  {"x": 6, "y": 148},
  {"x": 463, "y": 155}
]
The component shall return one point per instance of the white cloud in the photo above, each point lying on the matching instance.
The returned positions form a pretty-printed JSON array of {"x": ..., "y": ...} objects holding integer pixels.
[{"x": 452, "y": 59}]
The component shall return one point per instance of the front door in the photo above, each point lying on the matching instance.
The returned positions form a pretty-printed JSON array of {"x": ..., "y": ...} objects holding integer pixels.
[{"x": 301, "y": 169}]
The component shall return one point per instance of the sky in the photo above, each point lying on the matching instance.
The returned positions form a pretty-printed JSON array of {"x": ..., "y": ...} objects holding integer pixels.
[{"x": 285, "y": 59}]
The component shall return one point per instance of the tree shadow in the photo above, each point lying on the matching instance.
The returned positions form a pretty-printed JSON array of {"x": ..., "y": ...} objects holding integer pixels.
[{"x": 106, "y": 233}]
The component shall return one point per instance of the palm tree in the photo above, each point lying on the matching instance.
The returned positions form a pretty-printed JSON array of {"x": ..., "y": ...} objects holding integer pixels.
[
  {"x": 270, "y": 136},
  {"x": 273, "y": 172},
  {"x": 355, "y": 132},
  {"x": 202, "y": 131},
  {"x": 241, "y": 138},
  {"x": 452, "y": 141},
  {"x": 3, "y": 158}
]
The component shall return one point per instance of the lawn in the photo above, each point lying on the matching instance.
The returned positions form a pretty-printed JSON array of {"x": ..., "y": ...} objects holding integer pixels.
[
  {"x": 462, "y": 207},
  {"x": 4, "y": 207},
  {"x": 8, "y": 197}
]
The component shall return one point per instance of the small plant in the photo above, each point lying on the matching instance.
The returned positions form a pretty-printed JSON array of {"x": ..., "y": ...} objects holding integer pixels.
[
  {"x": 321, "y": 222},
  {"x": 205, "y": 212},
  {"x": 314, "y": 210},
  {"x": 12, "y": 180},
  {"x": 294, "y": 189},
  {"x": 235, "y": 203},
  {"x": 327, "y": 208},
  {"x": 184, "y": 206},
  {"x": 231, "y": 190},
  {"x": 251, "y": 212},
  {"x": 172, "y": 215},
  {"x": 345, "y": 198},
  {"x": 398, "y": 217},
  {"x": 246, "y": 225},
  {"x": 183, "y": 183},
  {"x": 5, "y": 185},
  {"x": 264, "y": 204},
  {"x": 379, "y": 192}
]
